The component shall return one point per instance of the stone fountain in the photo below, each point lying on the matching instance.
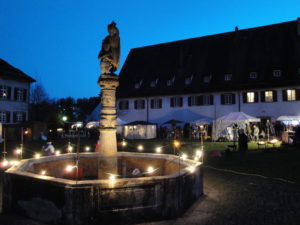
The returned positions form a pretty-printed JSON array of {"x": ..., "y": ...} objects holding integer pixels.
[{"x": 102, "y": 187}]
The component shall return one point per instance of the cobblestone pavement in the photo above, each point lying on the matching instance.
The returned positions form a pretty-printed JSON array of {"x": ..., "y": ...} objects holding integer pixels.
[{"x": 230, "y": 199}]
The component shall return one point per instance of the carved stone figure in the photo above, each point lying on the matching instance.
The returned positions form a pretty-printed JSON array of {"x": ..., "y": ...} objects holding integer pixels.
[{"x": 110, "y": 52}]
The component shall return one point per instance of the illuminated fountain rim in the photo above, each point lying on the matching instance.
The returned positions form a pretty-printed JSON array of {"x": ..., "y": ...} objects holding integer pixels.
[{"x": 24, "y": 165}]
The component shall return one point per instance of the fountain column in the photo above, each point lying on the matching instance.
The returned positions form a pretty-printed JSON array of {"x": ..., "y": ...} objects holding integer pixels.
[
  {"x": 107, "y": 140},
  {"x": 109, "y": 57}
]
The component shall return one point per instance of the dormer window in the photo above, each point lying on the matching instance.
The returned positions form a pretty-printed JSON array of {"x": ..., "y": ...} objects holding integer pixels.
[
  {"x": 276, "y": 73},
  {"x": 138, "y": 84},
  {"x": 188, "y": 80},
  {"x": 207, "y": 79},
  {"x": 227, "y": 77},
  {"x": 171, "y": 82},
  {"x": 253, "y": 75},
  {"x": 154, "y": 83}
]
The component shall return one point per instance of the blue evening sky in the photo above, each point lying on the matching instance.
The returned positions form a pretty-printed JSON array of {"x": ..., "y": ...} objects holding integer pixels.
[{"x": 57, "y": 41}]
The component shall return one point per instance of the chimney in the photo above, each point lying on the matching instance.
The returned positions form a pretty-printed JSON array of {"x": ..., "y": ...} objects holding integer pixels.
[
  {"x": 298, "y": 26},
  {"x": 237, "y": 28}
]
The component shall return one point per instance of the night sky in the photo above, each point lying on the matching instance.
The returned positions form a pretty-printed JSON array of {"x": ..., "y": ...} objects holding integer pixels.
[{"x": 57, "y": 41}]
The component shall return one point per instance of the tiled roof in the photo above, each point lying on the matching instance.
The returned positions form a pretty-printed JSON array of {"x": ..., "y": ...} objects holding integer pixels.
[
  {"x": 199, "y": 65},
  {"x": 8, "y": 71}
]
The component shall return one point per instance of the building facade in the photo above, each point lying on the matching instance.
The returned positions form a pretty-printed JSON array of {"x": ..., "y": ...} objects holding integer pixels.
[
  {"x": 14, "y": 94},
  {"x": 256, "y": 71}
]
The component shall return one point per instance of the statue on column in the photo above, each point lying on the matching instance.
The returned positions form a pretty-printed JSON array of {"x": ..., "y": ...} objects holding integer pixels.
[{"x": 110, "y": 52}]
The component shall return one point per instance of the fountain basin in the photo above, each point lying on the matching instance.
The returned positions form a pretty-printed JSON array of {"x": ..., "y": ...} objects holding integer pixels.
[{"x": 55, "y": 198}]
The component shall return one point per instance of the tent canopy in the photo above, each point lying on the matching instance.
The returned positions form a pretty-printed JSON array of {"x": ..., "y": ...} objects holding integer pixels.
[
  {"x": 223, "y": 126},
  {"x": 202, "y": 121},
  {"x": 288, "y": 118},
  {"x": 238, "y": 116}
]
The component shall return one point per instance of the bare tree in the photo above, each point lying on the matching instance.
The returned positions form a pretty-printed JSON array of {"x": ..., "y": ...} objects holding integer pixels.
[{"x": 38, "y": 94}]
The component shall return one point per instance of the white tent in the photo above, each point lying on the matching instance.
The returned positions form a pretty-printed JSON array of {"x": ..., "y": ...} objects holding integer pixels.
[
  {"x": 140, "y": 130},
  {"x": 223, "y": 126},
  {"x": 120, "y": 123},
  {"x": 295, "y": 120}
]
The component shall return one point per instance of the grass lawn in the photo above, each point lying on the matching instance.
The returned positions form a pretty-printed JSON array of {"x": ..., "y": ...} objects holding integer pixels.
[{"x": 274, "y": 163}]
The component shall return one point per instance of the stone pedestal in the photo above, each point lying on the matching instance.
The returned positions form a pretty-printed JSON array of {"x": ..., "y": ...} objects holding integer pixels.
[{"x": 108, "y": 141}]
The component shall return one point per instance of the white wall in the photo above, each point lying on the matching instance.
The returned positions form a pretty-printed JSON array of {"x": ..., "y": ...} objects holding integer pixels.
[
  {"x": 12, "y": 105},
  {"x": 260, "y": 109}
]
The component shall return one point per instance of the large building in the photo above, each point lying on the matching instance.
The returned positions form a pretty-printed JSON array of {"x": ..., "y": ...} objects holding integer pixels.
[
  {"x": 256, "y": 71},
  {"x": 14, "y": 94}
]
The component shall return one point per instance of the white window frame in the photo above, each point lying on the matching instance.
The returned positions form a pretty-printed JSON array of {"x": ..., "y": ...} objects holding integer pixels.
[
  {"x": 269, "y": 96},
  {"x": 122, "y": 105},
  {"x": 156, "y": 102},
  {"x": 206, "y": 100},
  {"x": 253, "y": 75},
  {"x": 3, "y": 116},
  {"x": 20, "y": 94},
  {"x": 19, "y": 117},
  {"x": 194, "y": 100},
  {"x": 228, "y": 77},
  {"x": 291, "y": 95},
  {"x": 276, "y": 73},
  {"x": 227, "y": 99},
  {"x": 176, "y": 101},
  {"x": 3, "y": 92},
  {"x": 140, "y": 103},
  {"x": 250, "y": 97}
]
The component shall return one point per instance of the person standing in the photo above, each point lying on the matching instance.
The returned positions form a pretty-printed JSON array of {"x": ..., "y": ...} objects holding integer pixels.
[
  {"x": 243, "y": 141},
  {"x": 255, "y": 133}
]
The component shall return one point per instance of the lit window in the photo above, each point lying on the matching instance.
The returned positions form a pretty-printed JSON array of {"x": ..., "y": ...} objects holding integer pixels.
[
  {"x": 3, "y": 92},
  {"x": 276, "y": 73},
  {"x": 227, "y": 77},
  {"x": 123, "y": 105},
  {"x": 139, "y": 104},
  {"x": 3, "y": 117},
  {"x": 269, "y": 96},
  {"x": 291, "y": 95},
  {"x": 250, "y": 97},
  {"x": 253, "y": 75}
]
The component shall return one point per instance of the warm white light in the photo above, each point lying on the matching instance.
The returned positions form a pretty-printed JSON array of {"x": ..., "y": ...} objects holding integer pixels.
[
  {"x": 273, "y": 141},
  {"x": 18, "y": 151},
  {"x": 14, "y": 162},
  {"x": 184, "y": 156},
  {"x": 196, "y": 158},
  {"x": 43, "y": 172},
  {"x": 261, "y": 142},
  {"x": 57, "y": 152},
  {"x": 69, "y": 168},
  {"x": 112, "y": 177},
  {"x": 150, "y": 169},
  {"x": 70, "y": 148},
  {"x": 4, "y": 163},
  {"x": 140, "y": 147},
  {"x": 59, "y": 129},
  {"x": 37, "y": 155},
  {"x": 124, "y": 143},
  {"x": 199, "y": 153},
  {"x": 191, "y": 169},
  {"x": 26, "y": 132},
  {"x": 87, "y": 148},
  {"x": 176, "y": 144},
  {"x": 64, "y": 118},
  {"x": 158, "y": 150}
]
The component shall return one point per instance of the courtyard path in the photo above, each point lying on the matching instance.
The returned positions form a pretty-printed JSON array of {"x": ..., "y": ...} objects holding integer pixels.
[{"x": 230, "y": 199}]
